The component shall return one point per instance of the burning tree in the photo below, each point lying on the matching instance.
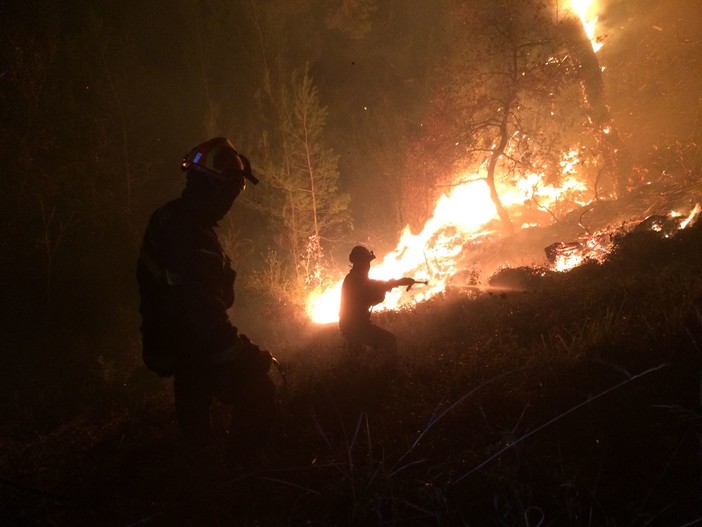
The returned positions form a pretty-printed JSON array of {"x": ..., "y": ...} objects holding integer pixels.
[
  {"x": 511, "y": 100},
  {"x": 582, "y": 54}
]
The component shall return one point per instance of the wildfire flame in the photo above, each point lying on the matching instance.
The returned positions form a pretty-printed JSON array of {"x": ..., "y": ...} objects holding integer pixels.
[
  {"x": 690, "y": 218},
  {"x": 462, "y": 216},
  {"x": 599, "y": 244},
  {"x": 584, "y": 9},
  {"x": 459, "y": 217}
]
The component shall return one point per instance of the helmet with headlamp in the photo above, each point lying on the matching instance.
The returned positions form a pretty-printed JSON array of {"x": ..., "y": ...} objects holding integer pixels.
[
  {"x": 360, "y": 254},
  {"x": 218, "y": 158}
]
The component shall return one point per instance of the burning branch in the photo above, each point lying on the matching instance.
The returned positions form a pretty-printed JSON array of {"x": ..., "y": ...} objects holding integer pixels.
[{"x": 580, "y": 48}]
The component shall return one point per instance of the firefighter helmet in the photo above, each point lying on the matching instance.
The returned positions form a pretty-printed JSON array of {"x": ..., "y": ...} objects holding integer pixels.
[
  {"x": 360, "y": 254},
  {"x": 219, "y": 158}
]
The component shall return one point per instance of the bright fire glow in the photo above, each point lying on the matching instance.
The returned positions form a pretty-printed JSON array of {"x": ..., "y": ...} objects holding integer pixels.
[
  {"x": 691, "y": 217},
  {"x": 584, "y": 9},
  {"x": 428, "y": 255},
  {"x": 598, "y": 245},
  {"x": 462, "y": 216},
  {"x": 459, "y": 217}
]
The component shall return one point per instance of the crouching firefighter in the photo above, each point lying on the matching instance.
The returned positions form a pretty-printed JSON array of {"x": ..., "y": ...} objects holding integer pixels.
[
  {"x": 186, "y": 283},
  {"x": 359, "y": 294}
]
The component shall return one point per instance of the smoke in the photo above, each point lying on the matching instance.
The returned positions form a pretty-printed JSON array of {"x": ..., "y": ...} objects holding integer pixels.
[{"x": 653, "y": 69}]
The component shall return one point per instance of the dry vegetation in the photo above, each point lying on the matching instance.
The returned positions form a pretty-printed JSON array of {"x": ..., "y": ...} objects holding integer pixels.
[{"x": 575, "y": 402}]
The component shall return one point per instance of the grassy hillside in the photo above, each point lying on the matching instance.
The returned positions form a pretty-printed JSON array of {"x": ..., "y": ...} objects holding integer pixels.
[{"x": 572, "y": 400}]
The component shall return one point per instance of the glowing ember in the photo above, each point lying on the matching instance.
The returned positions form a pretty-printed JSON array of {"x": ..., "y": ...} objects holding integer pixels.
[
  {"x": 691, "y": 217},
  {"x": 566, "y": 256}
]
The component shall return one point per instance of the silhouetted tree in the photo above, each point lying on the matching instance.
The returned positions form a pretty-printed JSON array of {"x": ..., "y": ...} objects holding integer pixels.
[{"x": 307, "y": 204}]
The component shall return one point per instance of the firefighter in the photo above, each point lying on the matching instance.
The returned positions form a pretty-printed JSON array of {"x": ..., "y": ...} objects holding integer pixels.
[
  {"x": 359, "y": 294},
  {"x": 186, "y": 285}
]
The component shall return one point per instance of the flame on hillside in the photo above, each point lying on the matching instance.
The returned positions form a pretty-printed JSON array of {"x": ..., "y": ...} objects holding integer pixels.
[
  {"x": 463, "y": 216},
  {"x": 466, "y": 215},
  {"x": 460, "y": 216},
  {"x": 598, "y": 245}
]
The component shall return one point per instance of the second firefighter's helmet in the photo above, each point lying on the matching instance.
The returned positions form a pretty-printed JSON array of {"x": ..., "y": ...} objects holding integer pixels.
[{"x": 360, "y": 254}]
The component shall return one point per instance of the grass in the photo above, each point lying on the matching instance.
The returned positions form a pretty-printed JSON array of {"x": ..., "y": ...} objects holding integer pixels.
[{"x": 573, "y": 402}]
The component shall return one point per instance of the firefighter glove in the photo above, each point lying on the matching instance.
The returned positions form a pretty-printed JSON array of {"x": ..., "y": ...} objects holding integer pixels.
[
  {"x": 246, "y": 356},
  {"x": 253, "y": 360}
]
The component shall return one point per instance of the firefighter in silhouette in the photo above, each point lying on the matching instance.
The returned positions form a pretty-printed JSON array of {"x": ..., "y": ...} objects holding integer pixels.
[
  {"x": 186, "y": 285},
  {"x": 359, "y": 294}
]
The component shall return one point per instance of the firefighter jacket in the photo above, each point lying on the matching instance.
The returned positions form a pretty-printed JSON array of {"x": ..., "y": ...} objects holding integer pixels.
[
  {"x": 358, "y": 294},
  {"x": 186, "y": 284}
]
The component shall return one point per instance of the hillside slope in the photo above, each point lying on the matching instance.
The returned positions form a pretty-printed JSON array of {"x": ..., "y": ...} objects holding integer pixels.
[{"x": 572, "y": 401}]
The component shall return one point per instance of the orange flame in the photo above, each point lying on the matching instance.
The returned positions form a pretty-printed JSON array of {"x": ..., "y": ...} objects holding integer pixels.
[
  {"x": 585, "y": 9},
  {"x": 459, "y": 217},
  {"x": 428, "y": 255},
  {"x": 598, "y": 245},
  {"x": 691, "y": 217},
  {"x": 462, "y": 216}
]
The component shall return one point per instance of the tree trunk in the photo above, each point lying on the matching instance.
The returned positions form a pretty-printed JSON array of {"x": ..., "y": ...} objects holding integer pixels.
[
  {"x": 492, "y": 164},
  {"x": 616, "y": 153}
]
